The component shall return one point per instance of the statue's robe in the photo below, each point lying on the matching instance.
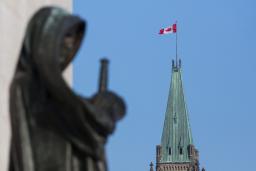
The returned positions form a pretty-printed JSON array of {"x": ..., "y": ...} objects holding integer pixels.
[{"x": 53, "y": 129}]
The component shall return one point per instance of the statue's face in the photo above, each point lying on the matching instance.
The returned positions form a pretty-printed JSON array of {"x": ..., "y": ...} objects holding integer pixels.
[
  {"x": 69, "y": 46},
  {"x": 60, "y": 35}
]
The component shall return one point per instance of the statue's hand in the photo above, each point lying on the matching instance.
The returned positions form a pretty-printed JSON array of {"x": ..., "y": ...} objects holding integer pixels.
[{"x": 111, "y": 103}]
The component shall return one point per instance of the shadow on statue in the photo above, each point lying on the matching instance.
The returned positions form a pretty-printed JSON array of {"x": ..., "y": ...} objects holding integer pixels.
[{"x": 53, "y": 128}]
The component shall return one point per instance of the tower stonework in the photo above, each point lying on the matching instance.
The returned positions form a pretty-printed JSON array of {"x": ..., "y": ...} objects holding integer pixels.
[{"x": 176, "y": 151}]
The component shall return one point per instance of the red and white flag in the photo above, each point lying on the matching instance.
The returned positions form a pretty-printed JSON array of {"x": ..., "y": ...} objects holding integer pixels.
[{"x": 169, "y": 30}]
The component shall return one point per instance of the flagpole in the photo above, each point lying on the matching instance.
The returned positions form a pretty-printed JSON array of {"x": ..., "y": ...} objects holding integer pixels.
[{"x": 176, "y": 45}]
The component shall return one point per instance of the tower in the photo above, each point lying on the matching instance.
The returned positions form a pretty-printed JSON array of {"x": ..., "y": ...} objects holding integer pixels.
[{"x": 177, "y": 151}]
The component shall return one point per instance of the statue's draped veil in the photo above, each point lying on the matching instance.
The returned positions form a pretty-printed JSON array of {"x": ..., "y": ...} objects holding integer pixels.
[
  {"x": 41, "y": 100},
  {"x": 52, "y": 38}
]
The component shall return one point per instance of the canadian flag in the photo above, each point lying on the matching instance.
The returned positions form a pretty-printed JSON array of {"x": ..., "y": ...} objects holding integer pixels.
[{"x": 169, "y": 30}]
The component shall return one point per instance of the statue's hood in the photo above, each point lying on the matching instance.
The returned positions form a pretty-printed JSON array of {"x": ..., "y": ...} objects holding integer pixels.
[{"x": 54, "y": 34}]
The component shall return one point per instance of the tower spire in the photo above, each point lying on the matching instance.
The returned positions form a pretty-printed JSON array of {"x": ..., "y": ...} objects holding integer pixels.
[
  {"x": 176, "y": 135},
  {"x": 176, "y": 43},
  {"x": 176, "y": 152}
]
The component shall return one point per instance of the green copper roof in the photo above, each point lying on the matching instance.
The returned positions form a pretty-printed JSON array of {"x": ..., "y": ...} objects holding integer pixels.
[{"x": 176, "y": 136}]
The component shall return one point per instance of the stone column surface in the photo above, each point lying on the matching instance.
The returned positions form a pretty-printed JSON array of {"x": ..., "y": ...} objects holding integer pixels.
[{"x": 14, "y": 16}]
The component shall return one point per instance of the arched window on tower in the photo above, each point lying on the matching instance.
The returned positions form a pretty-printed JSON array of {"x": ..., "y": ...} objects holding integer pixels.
[
  {"x": 170, "y": 151},
  {"x": 180, "y": 150}
]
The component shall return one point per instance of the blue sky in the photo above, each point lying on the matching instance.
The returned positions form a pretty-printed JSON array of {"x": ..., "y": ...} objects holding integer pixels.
[{"x": 217, "y": 46}]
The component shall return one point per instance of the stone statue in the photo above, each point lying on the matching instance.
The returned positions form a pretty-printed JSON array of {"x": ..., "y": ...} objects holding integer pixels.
[{"x": 53, "y": 128}]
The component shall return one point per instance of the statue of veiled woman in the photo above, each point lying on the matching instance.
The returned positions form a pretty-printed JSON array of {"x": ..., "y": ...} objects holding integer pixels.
[{"x": 53, "y": 128}]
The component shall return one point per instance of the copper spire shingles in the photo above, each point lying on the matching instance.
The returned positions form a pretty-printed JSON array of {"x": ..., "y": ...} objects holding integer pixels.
[
  {"x": 176, "y": 135},
  {"x": 176, "y": 152}
]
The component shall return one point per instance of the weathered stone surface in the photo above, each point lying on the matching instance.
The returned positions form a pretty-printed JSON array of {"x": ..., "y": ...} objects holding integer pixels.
[{"x": 14, "y": 16}]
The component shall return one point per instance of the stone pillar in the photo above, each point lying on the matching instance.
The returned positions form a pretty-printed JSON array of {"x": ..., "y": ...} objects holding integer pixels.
[
  {"x": 151, "y": 166},
  {"x": 158, "y": 153},
  {"x": 14, "y": 16}
]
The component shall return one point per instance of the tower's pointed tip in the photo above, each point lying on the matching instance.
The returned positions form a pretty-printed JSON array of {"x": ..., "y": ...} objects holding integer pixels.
[
  {"x": 173, "y": 64},
  {"x": 179, "y": 63},
  {"x": 176, "y": 64}
]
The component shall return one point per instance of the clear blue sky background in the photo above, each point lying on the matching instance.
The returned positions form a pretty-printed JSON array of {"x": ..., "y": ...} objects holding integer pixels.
[{"x": 217, "y": 45}]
